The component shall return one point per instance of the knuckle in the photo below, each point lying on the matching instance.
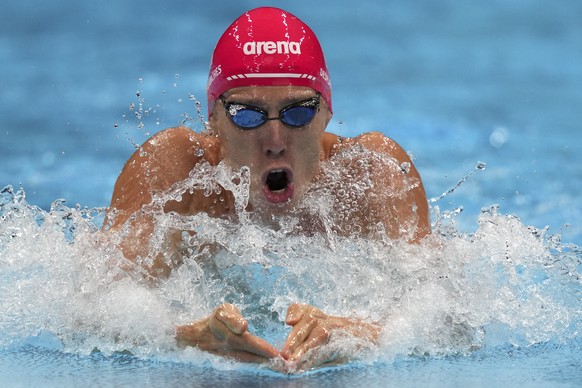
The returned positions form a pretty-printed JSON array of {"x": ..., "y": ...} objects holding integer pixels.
[
  {"x": 324, "y": 333},
  {"x": 315, "y": 312},
  {"x": 224, "y": 307},
  {"x": 219, "y": 310},
  {"x": 225, "y": 310},
  {"x": 295, "y": 307},
  {"x": 305, "y": 329}
]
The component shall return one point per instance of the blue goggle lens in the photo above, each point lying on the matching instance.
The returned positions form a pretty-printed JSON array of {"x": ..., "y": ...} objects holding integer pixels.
[
  {"x": 249, "y": 117},
  {"x": 298, "y": 116}
]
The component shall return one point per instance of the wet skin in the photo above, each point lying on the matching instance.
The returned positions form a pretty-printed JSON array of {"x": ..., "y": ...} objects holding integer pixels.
[
  {"x": 283, "y": 162},
  {"x": 272, "y": 147}
]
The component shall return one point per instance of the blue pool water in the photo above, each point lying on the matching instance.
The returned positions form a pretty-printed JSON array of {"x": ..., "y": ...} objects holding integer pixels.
[{"x": 457, "y": 84}]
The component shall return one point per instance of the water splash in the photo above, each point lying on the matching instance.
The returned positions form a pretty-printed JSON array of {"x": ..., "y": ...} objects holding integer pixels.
[
  {"x": 507, "y": 284},
  {"x": 480, "y": 166}
]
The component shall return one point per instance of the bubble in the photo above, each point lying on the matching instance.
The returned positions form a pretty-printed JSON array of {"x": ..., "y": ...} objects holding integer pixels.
[
  {"x": 503, "y": 285},
  {"x": 499, "y": 137},
  {"x": 405, "y": 167}
]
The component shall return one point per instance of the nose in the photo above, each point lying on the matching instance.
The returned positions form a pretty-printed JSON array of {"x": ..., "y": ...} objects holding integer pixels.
[{"x": 275, "y": 139}]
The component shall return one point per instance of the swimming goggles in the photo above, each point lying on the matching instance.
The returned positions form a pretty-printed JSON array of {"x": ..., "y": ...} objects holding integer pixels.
[{"x": 249, "y": 117}]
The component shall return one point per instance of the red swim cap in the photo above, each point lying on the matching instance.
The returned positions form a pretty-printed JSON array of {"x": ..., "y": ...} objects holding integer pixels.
[{"x": 267, "y": 47}]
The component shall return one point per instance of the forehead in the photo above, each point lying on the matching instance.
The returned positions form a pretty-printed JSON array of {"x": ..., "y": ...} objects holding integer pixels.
[{"x": 269, "y": 94}]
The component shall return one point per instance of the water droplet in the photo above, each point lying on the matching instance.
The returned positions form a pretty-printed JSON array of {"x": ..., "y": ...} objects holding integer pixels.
[{"x": 499, "y": 137}]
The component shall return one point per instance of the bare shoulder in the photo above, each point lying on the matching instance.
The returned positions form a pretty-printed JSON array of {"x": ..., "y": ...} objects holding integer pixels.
[
  {"x": 164, "y": 159},
  {"x": 411, "y": 205},
  {"x": 182, "y": 143},
  {"x": 373, "y": 141},
  {"x": 169, "y": 155},
  {"x": 378, "y": 142}
]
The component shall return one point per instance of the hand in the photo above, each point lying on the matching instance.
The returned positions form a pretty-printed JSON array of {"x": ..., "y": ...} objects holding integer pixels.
[
  {"x": 224, "y": 332},
  {"x": 312, "y": 329}
]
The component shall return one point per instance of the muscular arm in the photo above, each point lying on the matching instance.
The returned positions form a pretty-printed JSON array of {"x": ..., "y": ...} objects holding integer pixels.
[
  {"x": 166, "y": 158},
  {"x": 396, "y": 197}
]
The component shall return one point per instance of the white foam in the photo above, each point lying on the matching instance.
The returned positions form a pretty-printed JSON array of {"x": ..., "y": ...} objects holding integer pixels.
[{"x": 505, "y": 284}]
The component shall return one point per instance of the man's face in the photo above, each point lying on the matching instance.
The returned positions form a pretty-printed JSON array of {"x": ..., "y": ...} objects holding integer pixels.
[{"x": 283, "y": 160}]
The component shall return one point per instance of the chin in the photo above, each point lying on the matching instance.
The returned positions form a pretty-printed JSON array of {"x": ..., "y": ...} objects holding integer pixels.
[{"x": 265, "y": 204}]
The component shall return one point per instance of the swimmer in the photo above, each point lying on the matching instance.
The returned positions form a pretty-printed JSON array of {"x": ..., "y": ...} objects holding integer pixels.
[{"x": 269, "y": 102}]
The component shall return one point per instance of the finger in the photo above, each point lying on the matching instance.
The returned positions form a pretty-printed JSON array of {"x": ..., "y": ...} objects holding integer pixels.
[
  {"x": 253, "y": 345},
  {"x": 218, "y": 328},
  {"x": 195, "y": 334},
  {"x": 246, "y": 342},
  {"x": 229, "y": 315},
  {"x": 295, "y": 312},
  {"x": 320, "y": 359},
  {"x": 300, "y": 332},
  {"x": 319, "y": 336},
  {"x": 242, "y": 356}
]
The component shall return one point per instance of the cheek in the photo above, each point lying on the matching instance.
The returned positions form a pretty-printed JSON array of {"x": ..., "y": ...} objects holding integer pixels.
[
  {"x": 236, "y": 145},
  {"x": 238, "y": 148},
  {"x": 309, "y": 150}
]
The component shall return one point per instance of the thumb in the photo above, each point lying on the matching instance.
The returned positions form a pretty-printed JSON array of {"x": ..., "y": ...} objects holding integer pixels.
[
  {"x": 295, "y": 313},
  {"x": 230, "y": 315}
]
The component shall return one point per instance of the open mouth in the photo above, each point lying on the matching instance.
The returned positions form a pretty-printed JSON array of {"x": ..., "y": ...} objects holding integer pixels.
[
  {"x": 278, "y": 185},
  {"x": 277, "y": 180}
]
